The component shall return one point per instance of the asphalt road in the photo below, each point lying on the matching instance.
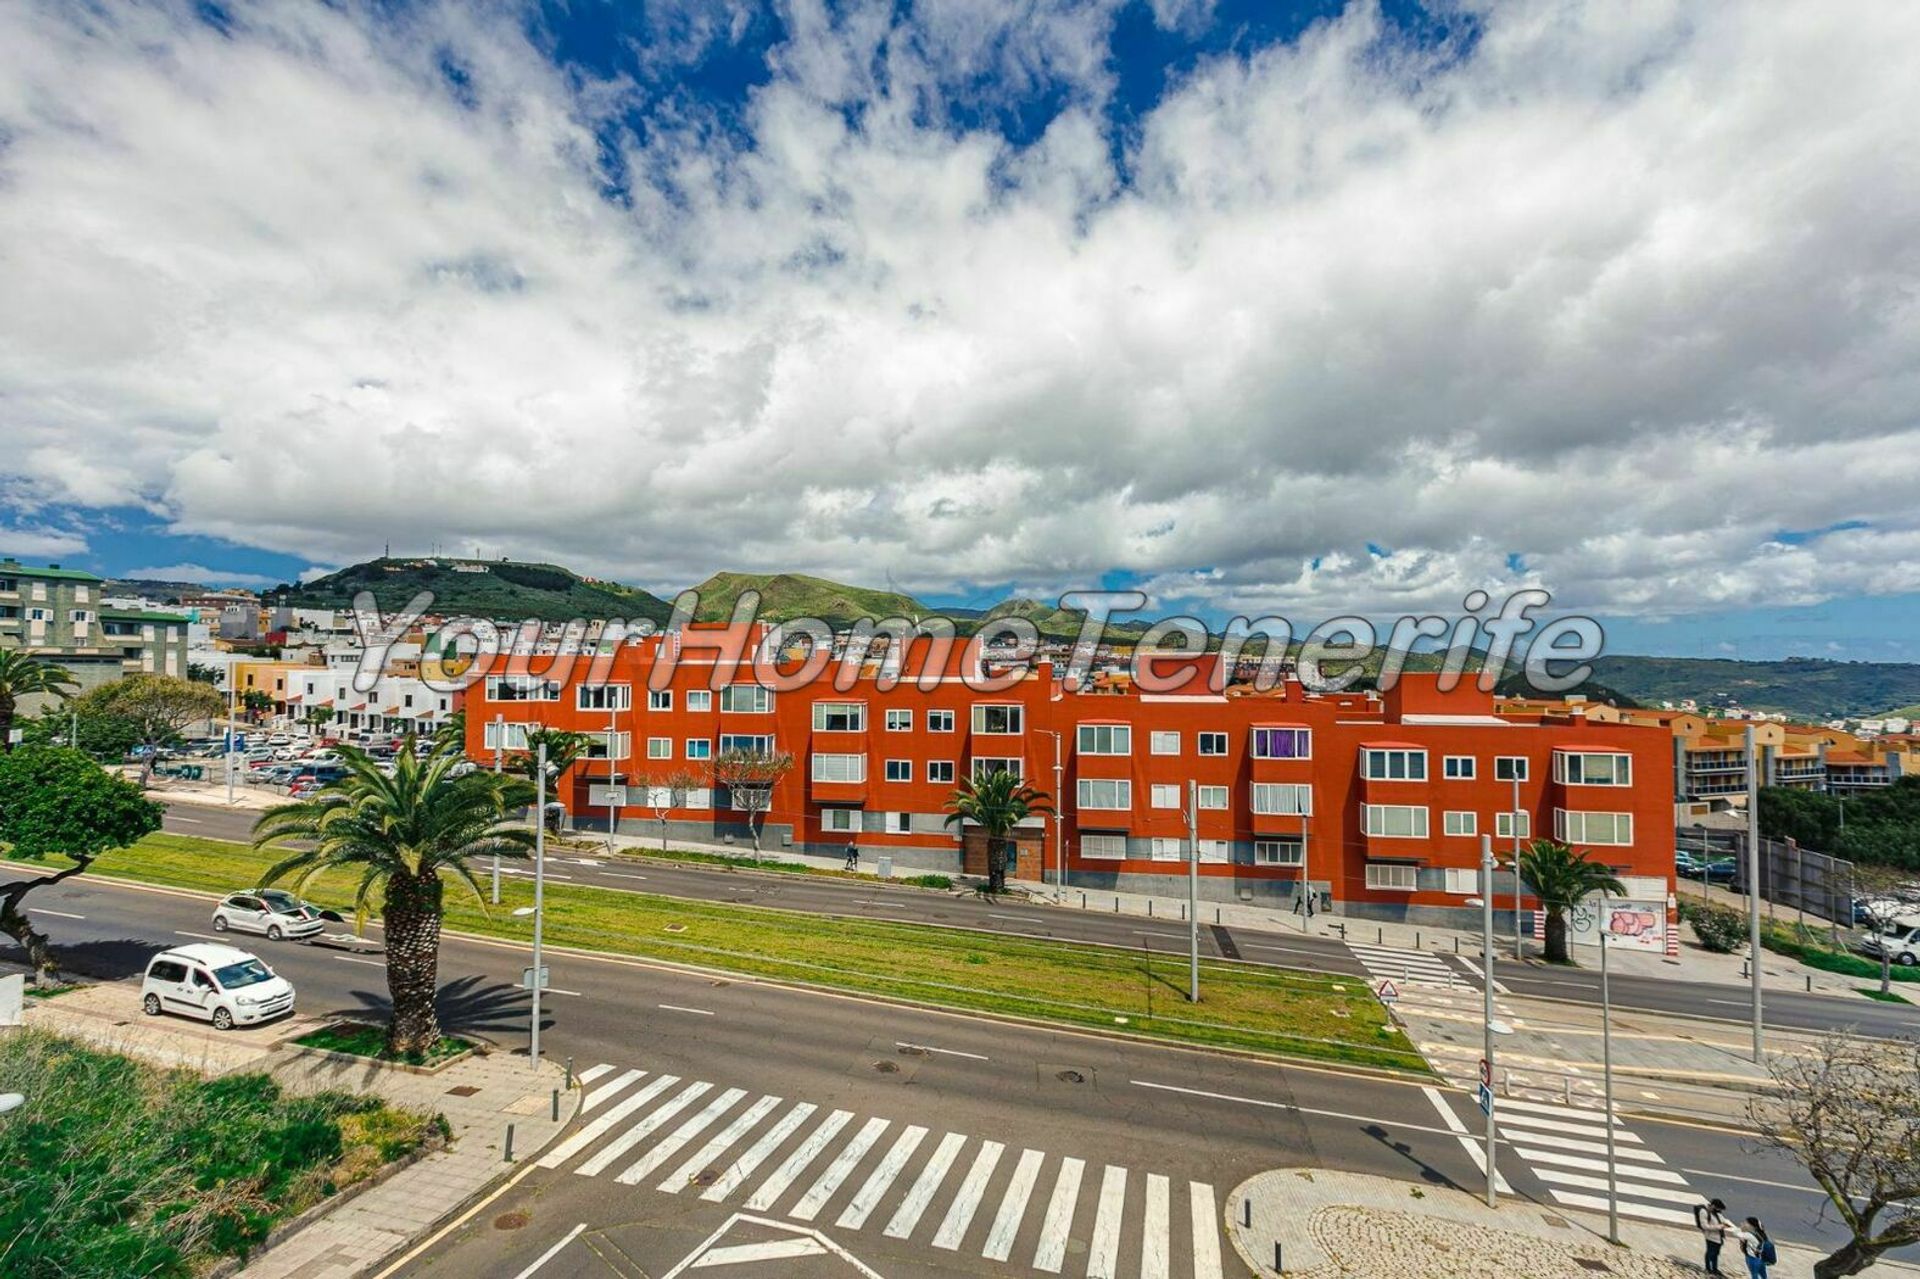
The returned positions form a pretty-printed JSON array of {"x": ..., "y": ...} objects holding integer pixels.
[
  {"x": 1700, "y": 1000},
  {"x": 1192, "y": 1118}
]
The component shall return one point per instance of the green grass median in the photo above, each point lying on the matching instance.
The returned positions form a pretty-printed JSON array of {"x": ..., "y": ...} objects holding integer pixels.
[{"x": 1134, "y": 991}]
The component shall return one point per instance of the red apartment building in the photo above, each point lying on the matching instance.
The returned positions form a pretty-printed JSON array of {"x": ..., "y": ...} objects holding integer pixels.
[{"x": 1376, "y": 800}]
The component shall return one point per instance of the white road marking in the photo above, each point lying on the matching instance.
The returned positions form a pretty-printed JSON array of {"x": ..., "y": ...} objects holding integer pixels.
[
  {"x": 1664, "y": 1194},
  {"x": 1154, "y": 1261},
  {"x": 645, "y": 1128},
  {"x": 1549, "y": 1108},
  {"x": 614, "y": 874},
  {"x": 1596, "y": 1130},
  {"x": 868, "y": 1197},
  {"x": 57, "y": 914},
  {"x": 839, "y": 1170},
  {"x": 677, "y": 1141},
  {"x": 1279, "y": 1105},
  {"x": 773, "y": 1187},
  {"x": 1051, "y": 1251},
  {"x": 181, "y": 932},
  {"x": 1142, "y": 932},
  {"x": 757, "y": 1154},
  {"x": 593, "y": 1131},
  {"x": 676, "y": 1008},
  {"x": 771, "y": 1250},
  {"x": 1596, "y": 1165},
  {"x": 1013, "y": 1206},
  {"x": 351, "y": 959},
  {"x": 555, "y": 990},
  {"x": 191, "y": 821},
  {"x": 604, "y": 1092},
  {"x": 552, "y": 1252},
  {"x": 1103, "y": 1253},
  {"x": 1467, "y": 1142},
  {"x": 592, "y": 1073},
  {"x": 1206, "y": 1230},
  {"x": 678, "y": 1179},
  {"x": 914, "y": 1206},
  {"x": 967, "y": 1200},
  {"x": 1599, "y": 1204},
  {"x": 1584, "y": 1147},
  {"x": 944, "y": 1052},
  {"x": 1758, "y": 1181},
  {"x": 1499, "y": 988}
]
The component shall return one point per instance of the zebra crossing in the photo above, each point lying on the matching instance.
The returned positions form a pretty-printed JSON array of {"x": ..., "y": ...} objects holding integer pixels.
[
  {"x": 1404, "y": 967},
  {"x": 1010, "y": 1204}
]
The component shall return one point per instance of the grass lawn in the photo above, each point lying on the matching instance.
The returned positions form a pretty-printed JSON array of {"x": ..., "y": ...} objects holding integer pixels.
[
  {"x": 371, "y": 1041},
  {"x": 115, "y": 1167},
  {"x": 1884, "y": 996},
  {"x": 747, "y": 861},
  {"x": 1262, "y": 1009},
  {"x": 1814, "y": 948}
]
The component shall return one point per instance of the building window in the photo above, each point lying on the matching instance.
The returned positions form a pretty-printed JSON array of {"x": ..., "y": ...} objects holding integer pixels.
[
  {"x": 1110, "y": 794},
  {"x": 521, "y": 688},
  {"x": 1599, "y": 768},
  {"x": 1167, "y": 850},
  {"x": 1394, "y": 765},
  {"x": 1282, "y": 743},
  {"x": 899, "y": 770},
  {"x": 699, "y": 748},
  {"x": 1394, "y": 878},
  {"x": 1105, "y": 739},
  {"x": 940, "y": 771},
  {"x": 746, "y": 743},
  {"x": 988, "y": 765},
  {"x": 1162, "y": 742},
  {"x": 1455, "y": 823},
  {"x": 746, "y": 699},
  {"x": 659, "y": 699},
  {"x": 1457, "y": 768},
  {"x": 1394, "y": 821},
  {"x": 839, "y": 717},
  {"x": 1576, "y": 827},
  {"x": 659, "y": 748},
  {"x": 603, "y": 697},
  {"x": 1279, "y": 852},
  {"x": 597, "y": 745},
  {"x": 1284, "y": 799},
  {"x": 839, "y": 768},
  {"x": 997, "y": 718},
  {"x": 1110, "y": 848},
  {"x": 1214, "y": 797},
  {"x": 506, "y": 737},
  {"x": 1510, "y": 768},
  {"x": 1503, "y": 824},
  {"x": 1164, "y": 795},
  {"x": 1463, "y": 881},
  {"x": 1216, "y": 850},
  {"x": 899, "y": 721},
  {"x": 939, "y": 721},
  {"x": 897, "y": 823},
  {"x": 699, "y": 699},
  {"x": 1212, "y": 743},
  {"x": 840, "y": 819}
]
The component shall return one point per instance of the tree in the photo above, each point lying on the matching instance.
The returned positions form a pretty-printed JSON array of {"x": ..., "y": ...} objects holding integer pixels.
[
  {"x": 103, "y": 737},
  {"x": 57, "y": 802},
  {"x": 451, "y": 732},
  {"x": 996, "y": 802},
  {"x": 257, "y": 702},
  {"x": 159, "y": 707},
  {"x": 750, "y": 777},
  {"x": 1848, "y": 1109},
  {"x": 1562, "y": 878},
  {"x": 317, "y": 717},
  {"x": 22, "y": 675},
  {"x": 667, "y": 790},
  {"x": 403, "y": 836},
  {"x": 564, "y": 748}
]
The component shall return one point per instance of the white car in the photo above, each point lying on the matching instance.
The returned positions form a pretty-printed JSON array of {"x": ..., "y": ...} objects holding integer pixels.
[
  {"x": 321, "y": 756},
  {"x": 215, "y": 983},
  {"x": 270, "y": 911},
  {"x": 279, "y": 739}
]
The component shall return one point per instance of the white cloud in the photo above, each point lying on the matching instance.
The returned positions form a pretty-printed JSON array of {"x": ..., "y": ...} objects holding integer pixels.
[
  {"x": 202, "y": 574},
  {"x": 39, "y": 542},
  {"x": 1590, "y": 290}
]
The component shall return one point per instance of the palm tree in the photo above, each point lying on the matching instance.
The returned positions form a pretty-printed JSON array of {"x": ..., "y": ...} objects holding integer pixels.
[
  {"x": 1562, "y": 878},
  {"x": 563, "y": 748},
  {"x": 996, "y": 802},
  {"x": 403, "y": 835},
  {"x": 23, "y": 674}
]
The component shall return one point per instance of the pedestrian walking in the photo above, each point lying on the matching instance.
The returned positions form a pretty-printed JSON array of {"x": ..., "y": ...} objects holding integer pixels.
[
  {"x": 1757, "y": 1248},
  {"x": 1713, "y": 1223},
  {"x": 853, "y": 856}
]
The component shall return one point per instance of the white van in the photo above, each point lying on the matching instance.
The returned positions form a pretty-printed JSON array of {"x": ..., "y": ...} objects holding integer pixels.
[
  {"x": 220, "y": 984},
  {"x": 1899, "y": 937}
]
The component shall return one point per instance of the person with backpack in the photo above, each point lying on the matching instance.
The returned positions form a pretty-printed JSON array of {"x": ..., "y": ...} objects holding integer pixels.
[
  {"x": 1757, "y": 1248},
  {"x": 853, "y": 856},
  {"x": 1713, "y": 1224}
]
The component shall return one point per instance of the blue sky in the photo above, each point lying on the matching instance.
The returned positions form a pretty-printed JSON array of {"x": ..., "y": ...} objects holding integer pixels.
[{"x": 1300, "y": 308}]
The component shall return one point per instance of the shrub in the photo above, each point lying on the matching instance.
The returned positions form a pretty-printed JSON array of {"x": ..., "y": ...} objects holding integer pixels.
[{"x": 1719, "y": 928}]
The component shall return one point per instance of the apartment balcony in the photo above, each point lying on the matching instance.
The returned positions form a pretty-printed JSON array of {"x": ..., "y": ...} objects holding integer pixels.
[{"x": 820, "y": 792}]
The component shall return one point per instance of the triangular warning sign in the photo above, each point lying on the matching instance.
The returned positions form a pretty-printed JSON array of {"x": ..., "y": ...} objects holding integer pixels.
[{"x": 1386, "y": 990}]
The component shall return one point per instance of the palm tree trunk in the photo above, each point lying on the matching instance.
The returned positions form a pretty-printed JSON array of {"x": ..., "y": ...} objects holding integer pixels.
[
  {"x": 1556, "y": 935},
  {"x": 413, "y": 962},
  {"x": 6, "y": 721},
  {"x": 996, "y": 864}
]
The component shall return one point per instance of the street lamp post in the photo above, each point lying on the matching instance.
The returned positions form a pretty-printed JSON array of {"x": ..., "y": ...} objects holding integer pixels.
[
  {"x": 539, "y": 889},
  {"x": 499, "y": 749},
  {"x": 1606, "y": 1069},
  {"x": 1486, "y": 971},
  {"x": 1513, "y": 828},
  {"x": 1059, "y": 846},
  {"x": 228, "y": 742},
  {"x": 1193, "y": 892},
  {"x": 1306, "y": 875},
  {"x": 1753, "y": 883},
  {"x": 613, "y": 778}
]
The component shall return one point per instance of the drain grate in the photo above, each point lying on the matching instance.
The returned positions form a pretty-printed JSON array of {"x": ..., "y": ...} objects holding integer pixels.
[
  {"x": 1070, "y": 1077},
  {"x": 887, "y": 1067}
]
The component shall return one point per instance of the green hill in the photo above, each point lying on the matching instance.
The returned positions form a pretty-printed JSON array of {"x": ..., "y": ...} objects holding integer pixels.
[
  {"x": 784, "y": 596},
  {"x": 503, "y": 590},
  {"x": 1805, "y": 688}
]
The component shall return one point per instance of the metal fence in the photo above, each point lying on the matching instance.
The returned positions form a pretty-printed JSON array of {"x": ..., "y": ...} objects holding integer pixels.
[{"x": 1799, "y": 880}]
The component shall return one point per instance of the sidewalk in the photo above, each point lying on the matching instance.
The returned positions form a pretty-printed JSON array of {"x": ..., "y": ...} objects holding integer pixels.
[{"x": 1338, "y": 1225}]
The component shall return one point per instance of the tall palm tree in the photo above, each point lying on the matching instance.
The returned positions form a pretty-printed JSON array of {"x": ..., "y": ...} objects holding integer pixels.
[
  {"x": 1562, "y": 878},
  {"x": 563, "y": 748},
  {"x": 404, "y": 835},
  {"x": 996, "y": 802},
  {"x": 22, "y": 674}
]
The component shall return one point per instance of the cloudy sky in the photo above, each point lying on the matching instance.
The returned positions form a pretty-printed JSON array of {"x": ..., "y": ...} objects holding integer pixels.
[{"x": 1306, "y": 308}]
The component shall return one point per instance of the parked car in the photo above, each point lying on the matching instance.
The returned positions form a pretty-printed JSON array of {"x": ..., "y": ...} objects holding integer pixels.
[
  {"x": 1900, "y": 938},
  {"x": 215, "y": 983},
  {"x": 279, "y": 739},
  {"x": 1719, "y": 870},
  {"x": 321, "y": 756},
  {"x": 274, "y": 912}
]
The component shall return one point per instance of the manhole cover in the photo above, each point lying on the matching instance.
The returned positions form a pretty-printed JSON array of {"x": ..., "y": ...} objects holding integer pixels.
[
  {"x": 510, "y": 1221},
  {"x": 706, "y": 1177},
  {"x": 1071, "y": 1077},
  {"x": 912, "y": 1050},
  {"x": 887, "y": 1067},
  {"x": 463, "y": 1090}
]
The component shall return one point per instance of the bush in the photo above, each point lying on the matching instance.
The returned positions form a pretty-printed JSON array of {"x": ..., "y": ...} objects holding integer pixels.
[{"x": 1719, "y": 928}]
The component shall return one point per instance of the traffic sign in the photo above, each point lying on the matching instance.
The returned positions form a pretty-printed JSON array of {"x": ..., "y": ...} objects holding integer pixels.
[
  {"x": 1486, "y": 1100},
  {"x": 1486, "y": 1073},
  {"x": 1386, "y": 991},
  {"x": 526, "y": 978}
]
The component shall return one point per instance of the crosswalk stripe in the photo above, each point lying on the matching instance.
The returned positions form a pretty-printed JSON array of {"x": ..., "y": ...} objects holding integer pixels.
[
  {"x": 592, "y": 1073},
  {"x": 839, "y": 1170},
  {"x": 641, "y": 1131},
  {"x": 1051, "y": 1252},
  {"x": 914, "y": 1206},
  {"x": 1013, "y": 1206},
  {"x": 599, "y": 1127},
  {"x": 1598, "y": 1165},
  {"x": 796, "y": 1163},
  {"x": 1103, "y": 1254},
  {"x": 601, "y": 1095},
  {"x": 744, "y": 1166},
  {"x": 677, "y": 1141},
  {"x": 1154, "y": 1228},
  {"x": 1206, "y": 1231},
  {"x": 1555, "y": 1125},
  {"x": 868, "y": 1197},
  {"x": 1553, "y": 1142},
  {"x": 742, "y": 1124},
  {"x": 1646, "y": 1213},
  {"x": 1624, "y": 1186},
  {"x": 960, "y": 1211},
  {"x": 1596, "y": 1115}
]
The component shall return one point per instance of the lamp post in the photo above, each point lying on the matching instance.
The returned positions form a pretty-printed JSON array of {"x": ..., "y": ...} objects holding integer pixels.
[
  {"x": 1606, "y": 1068},
  {"x": 539, "y": 890},
  {"x": 1059, "y": 847},
  {"x": 229, "y": 737},
  {"x": 1753, "y": 883},
  {"x": 613, "y": 778},
  {"x": 499, "y": 749},
  {"x": 1306, "y": 875},
  {"x": 1513, "y": 828},
  {"x": 1486, "y": 973},
  {"x": 1193, "y": 892}
]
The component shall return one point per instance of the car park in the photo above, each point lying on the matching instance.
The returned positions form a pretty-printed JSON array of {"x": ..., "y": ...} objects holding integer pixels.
[
  {"x": 1713, "y": 870},
  {"x": 214, "y": 983},
  {"x": 272, "y": 912}
]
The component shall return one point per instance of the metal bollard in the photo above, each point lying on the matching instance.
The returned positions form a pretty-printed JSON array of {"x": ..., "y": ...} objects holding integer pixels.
[
  {"x": 1566, "y": 1090},
  {"x": 1083, "y": 901},
  {"x": 1279, "y": 1259},
  {"x": 556, "y": 1105},
  {"x": 1216, "y": 914},
  {"x": 569, "y": 1074},
  {"x": 1380, "y": 936},
  {"x": 509, "y": 1150},
  {"x": 1149, "y": 908},
  {"x": 1456, "y": 945},
  {"x": 1246, "y": 1212},
  {"x": 1416, "y": 940},
  {"x": 1809, "y": 983}
]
